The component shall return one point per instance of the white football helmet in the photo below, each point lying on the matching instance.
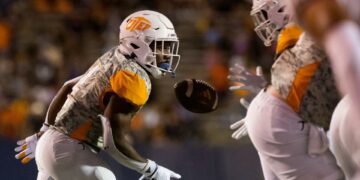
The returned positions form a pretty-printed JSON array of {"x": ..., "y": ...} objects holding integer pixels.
[
  {"x": 150, "y": 39},
  {"x": 269, "y": 16}
]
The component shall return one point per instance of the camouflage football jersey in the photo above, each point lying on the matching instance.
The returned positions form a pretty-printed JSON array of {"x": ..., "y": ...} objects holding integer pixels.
[
  {"x": 303, "y": 77},
  {"x": 110, "y": 73}
]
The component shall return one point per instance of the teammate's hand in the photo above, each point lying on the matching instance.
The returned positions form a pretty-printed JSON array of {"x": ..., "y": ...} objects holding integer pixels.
[
  {"x": 249, "y": 81},
  {"x": 240, "y": 129},
  {"x": 156, "y": 172},
  {"x": 26, "y": 148}
]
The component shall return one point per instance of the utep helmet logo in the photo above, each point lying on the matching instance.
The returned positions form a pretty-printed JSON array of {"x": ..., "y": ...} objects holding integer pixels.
[{"x": 138, "y": 23}]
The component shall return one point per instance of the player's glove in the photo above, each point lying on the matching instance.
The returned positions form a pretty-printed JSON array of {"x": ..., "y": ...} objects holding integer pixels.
[
  {"x": 27, "y": 147},
  {"x": 152, "y": 171},
  {"x": 240, "y": 129},
  {"x": 240, "y": 126},
  {"x": 249, "y": 81}
]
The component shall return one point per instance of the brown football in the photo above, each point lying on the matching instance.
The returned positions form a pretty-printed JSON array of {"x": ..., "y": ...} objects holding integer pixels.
[{"x": 196, "y": 95}]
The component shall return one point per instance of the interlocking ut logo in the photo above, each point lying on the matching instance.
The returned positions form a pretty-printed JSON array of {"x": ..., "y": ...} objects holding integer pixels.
[{"x": 138, "y": 23}]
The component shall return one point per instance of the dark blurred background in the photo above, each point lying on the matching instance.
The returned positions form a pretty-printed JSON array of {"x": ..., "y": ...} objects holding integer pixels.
[{"x": 43, "y": 43}]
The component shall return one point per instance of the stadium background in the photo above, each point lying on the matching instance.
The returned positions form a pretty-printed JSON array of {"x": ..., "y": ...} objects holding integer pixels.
[{"x": 43, "y": 43}]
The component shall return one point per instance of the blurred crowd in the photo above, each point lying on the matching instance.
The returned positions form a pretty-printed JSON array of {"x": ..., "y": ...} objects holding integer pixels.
[{"x": 43, "y": 43}]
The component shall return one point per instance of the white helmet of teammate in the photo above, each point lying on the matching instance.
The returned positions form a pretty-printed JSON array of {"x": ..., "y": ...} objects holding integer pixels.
[
  {"x": 269, "y": 16},
  {"x": 150, "y": 38}
]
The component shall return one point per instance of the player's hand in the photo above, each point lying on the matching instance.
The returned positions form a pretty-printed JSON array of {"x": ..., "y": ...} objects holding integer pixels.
[
  {"x": 240, "y": 126},
  {"x": 156, "y": 172},
  {"x": 26, "y": 148},
  {"x": 249, "y": 81},
  {"x": 240, "y": 129}
]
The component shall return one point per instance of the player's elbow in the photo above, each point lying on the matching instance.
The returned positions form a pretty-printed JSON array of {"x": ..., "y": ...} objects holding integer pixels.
[{"x": 68, "y": 85}]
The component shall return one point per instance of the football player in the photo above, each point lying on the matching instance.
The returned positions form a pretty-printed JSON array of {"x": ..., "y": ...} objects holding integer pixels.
[
  {"x": 93, "y": 112},
  {"x": 284, "y": 119}
]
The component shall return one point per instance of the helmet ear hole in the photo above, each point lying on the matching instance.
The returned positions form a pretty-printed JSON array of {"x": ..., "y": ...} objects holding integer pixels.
[
  {"x": 134, "y": 46},
  {"x": 281, "y": 10}
]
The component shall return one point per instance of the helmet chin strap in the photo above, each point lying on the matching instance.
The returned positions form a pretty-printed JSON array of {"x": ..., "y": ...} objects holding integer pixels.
[{"x": 166, "y": 66}]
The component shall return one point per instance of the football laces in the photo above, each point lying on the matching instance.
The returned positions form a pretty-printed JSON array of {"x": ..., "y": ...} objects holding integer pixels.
[{"x": 204, "y": 83}]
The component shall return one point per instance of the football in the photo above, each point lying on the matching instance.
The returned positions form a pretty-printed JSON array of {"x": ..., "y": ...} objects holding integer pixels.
[{"x": 196, "y": 95}]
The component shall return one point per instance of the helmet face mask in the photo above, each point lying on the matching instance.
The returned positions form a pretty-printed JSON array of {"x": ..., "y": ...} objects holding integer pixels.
[
  {"x": 150, "y": 38},
  {"x": 269, "y": 17},
  {"x": 165, "y": 53}
]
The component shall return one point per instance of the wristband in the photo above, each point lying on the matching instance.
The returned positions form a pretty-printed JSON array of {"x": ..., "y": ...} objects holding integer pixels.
[
  {"x": 44, "y": 127},
  {"x": 150, "y": 168}
]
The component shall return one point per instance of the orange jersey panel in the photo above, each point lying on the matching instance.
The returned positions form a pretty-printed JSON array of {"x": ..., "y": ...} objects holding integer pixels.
[
  {"x": 129, "y": 85},
  {"x": 300, "y": 84},
  {"x": 81, "y": 132}
]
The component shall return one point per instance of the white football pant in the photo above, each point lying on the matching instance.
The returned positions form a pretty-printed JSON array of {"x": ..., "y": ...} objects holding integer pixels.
[
  {"x": 344, "y": 138},
  {"x": 61, "y": 157},
  {"x": 282, "y": 141}
]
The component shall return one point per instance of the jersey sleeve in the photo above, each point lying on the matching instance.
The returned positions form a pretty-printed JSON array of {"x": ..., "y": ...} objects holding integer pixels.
[{"x": 129, "y": 85}]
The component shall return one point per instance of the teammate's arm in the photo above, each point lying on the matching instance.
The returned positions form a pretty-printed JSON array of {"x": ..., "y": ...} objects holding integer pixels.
[
  {"x": 59, "y": 100},
  {"x": 319, "y": 16}
]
